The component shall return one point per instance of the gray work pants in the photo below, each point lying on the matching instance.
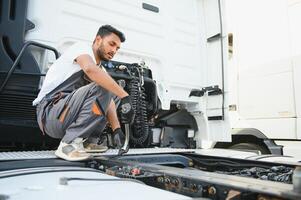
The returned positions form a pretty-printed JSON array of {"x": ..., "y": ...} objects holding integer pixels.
[{"x": 78, "y": 114}]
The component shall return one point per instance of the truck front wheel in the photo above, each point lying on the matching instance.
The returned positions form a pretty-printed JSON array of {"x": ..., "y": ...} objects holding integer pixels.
[{"x": 250, "y": 147}]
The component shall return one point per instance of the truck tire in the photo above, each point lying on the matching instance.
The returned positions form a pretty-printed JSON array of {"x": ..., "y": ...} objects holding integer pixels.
[{"x": 250, "y": 147}]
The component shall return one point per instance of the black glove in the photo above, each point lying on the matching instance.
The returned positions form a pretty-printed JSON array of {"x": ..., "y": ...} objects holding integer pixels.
[
  {"x": 118, "y": 138},
  {"x": 127, "y": 114}
]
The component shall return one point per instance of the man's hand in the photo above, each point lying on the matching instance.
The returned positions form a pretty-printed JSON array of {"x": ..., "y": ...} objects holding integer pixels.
[
  {"x": 127, "y": 114},
  {"x": 118, "y": 138}
]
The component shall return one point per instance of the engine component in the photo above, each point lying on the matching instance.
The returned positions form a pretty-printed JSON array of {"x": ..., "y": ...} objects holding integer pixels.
[
  {"x": 137, "y": 80},
  {"x": 140, "y": 128}
]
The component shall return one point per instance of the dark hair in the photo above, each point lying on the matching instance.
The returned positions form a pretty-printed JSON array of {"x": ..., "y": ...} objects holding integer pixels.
[{"x": 108, "y": 29}]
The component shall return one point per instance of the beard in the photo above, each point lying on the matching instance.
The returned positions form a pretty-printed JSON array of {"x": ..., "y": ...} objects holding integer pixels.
[{"x": 101, "y": 53}]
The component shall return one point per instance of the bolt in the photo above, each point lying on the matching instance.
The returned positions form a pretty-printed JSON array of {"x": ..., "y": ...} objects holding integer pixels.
[
  {"x": 167, "y": 180},
  {"x": 175, "y": 182},
  {"x": 160, "y": 179},
  {"x": 194, "y": 187},
  {"x": 211, "y": 190}
]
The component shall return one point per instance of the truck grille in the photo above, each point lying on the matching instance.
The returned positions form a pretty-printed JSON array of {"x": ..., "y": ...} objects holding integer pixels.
[{"x": 17, "y": 107}]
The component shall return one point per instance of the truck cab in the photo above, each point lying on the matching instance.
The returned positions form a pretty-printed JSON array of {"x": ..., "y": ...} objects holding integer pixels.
[
  {"x": 264, "y": 65},
  {"x": 181, "y": 62}
]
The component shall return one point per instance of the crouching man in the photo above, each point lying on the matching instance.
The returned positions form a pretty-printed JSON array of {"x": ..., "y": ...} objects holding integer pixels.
[{"x": 75, "y": 101}]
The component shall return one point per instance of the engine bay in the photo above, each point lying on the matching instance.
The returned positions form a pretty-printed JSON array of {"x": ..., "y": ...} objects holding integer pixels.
[
  {"x": 182, "y": 171},
  {"x": 197, "y": 175},
  {"x": 152, "y": 126}
]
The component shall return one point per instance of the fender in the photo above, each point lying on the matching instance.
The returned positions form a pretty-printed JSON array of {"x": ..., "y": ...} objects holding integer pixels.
[{"x": 252, "y": 135}]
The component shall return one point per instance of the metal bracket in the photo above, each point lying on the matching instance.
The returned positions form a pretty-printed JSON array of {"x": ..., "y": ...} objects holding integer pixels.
[
  {"x": 125, "y": 147},
  {"x": 212, "y": 90}
]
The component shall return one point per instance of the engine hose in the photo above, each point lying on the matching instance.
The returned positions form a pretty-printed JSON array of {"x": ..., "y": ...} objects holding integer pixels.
[{"x": 140, "y": 127}]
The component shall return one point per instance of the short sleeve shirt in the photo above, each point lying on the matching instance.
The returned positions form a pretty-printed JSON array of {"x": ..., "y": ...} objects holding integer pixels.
[{"x": 63, "y": 68}]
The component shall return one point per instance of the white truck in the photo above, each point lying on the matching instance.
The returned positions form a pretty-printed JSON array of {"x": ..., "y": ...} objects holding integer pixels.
[
  {"x": 264, "y": 74},
  {"x": 174, "y": 66}
]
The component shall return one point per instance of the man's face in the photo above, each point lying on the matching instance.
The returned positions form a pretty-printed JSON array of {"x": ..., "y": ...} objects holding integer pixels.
[{"x": 107, "y": 46}]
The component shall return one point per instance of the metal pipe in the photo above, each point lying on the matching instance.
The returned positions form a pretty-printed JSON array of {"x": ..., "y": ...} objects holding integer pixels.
[
  {"x": 27, "y": 44},
  {"x": 125, "y": 147}
]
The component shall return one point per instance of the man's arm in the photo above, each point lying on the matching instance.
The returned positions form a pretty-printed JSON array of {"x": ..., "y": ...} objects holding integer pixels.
[
  {"x": 118, "y": 135},
  {"x": 112, "y": 116},
  {"x": 99, "y": 76}
]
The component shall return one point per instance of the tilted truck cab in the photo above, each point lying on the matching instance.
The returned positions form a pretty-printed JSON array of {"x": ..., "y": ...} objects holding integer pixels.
[{"x": 178, "y": 60}]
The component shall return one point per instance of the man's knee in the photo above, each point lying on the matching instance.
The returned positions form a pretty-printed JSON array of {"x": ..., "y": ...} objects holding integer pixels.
[
  {"x": 102, "y": 102},
  {"x": 102, "y": 97}
]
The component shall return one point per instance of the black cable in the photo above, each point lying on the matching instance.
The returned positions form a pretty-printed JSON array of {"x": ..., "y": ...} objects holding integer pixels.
[
  {"x": 140, "y": 129},
  {"x": 65, "y": 180},
  {"x": 51, "y": 170}
]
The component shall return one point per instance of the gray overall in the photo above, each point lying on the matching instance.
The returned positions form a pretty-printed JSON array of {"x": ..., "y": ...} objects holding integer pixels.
[{"x": 67, "y": 111}]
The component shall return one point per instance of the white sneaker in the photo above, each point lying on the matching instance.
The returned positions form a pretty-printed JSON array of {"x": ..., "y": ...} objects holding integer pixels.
[{"x": 72, "y": 152}]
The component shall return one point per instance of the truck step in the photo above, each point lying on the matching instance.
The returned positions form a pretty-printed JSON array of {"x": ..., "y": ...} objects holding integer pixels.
[{"x": 25, "y": 155}]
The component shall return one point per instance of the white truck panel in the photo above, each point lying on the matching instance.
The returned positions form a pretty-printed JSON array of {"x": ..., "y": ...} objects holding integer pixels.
[
  {"x": 266, "y": 96},
  {"x": 172, "y": 42},
  {"x": 291, "y": 148},
  {"x": 266, "y": 65},
  {"x": 295, "y": 31},
  {"x": 82, "y": 19},
  {"x": 282, "y": 128},
  {"x": 265, "y": 87},
  {"x": 168, "y": 41}
]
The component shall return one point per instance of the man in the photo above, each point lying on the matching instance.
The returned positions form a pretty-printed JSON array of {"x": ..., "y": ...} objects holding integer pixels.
[{"x": 75, "y": 101}]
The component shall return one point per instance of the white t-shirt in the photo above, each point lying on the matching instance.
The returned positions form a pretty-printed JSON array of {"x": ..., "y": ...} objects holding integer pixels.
[{"x": 63, "y": 68}]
